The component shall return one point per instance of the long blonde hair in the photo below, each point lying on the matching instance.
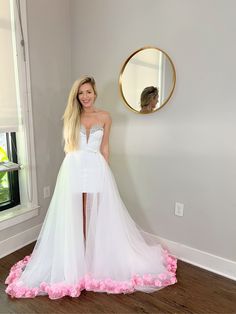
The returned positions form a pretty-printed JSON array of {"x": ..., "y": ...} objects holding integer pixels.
[{"x": 72, "y": 114}]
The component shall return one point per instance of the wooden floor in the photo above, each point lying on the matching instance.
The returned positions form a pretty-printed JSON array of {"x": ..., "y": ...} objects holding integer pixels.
[{"x": 197, "y": 291}]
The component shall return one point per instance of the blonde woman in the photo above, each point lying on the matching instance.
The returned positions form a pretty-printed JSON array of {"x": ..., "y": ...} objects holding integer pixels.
[
  {"x": 81, "y": 114},
  {"x": 88, "y": 240},
  {"x": 149, "y": 99}
]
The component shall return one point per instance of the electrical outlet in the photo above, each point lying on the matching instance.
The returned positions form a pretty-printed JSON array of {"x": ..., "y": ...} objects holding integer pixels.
[
  {"x": 46, "y": 191},
  {"x": 179, "y": 209}
]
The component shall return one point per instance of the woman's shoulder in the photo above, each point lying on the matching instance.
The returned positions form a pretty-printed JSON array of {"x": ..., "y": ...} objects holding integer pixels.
[{"x": 104, "y": 115}]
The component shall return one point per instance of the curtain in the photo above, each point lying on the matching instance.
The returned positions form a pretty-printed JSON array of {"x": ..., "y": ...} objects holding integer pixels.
[{"x": 8, "y": 71}]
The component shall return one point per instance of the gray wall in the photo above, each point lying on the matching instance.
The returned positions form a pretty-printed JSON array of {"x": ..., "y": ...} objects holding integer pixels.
[{"x": 186, "y": 151}]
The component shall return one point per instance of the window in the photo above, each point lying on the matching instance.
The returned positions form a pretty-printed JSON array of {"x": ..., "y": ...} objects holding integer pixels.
[
  {"x": 18, "y": 189},
  {"x": 9, "y": 182}
]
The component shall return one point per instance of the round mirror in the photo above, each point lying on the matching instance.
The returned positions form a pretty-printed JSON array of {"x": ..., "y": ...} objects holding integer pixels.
[{"x": 147, "y": 80}]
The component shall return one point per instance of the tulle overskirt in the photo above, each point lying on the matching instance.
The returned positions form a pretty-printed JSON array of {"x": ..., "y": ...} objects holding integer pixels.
[{"x": 117, "y": 256}]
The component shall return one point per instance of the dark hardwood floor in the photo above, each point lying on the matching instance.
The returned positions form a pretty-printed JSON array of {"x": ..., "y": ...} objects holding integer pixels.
[{"x": 197, "y": 291}]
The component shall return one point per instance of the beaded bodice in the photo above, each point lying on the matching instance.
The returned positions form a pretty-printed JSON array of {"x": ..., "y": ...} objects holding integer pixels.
[{"x": 91, "y": 139}]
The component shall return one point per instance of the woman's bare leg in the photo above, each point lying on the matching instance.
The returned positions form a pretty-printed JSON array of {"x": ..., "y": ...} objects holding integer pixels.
[{"x": 84, "y": 214}]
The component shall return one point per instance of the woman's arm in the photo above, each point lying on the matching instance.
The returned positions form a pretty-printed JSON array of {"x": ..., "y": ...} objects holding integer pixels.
[{"x": 105, "y": 140}]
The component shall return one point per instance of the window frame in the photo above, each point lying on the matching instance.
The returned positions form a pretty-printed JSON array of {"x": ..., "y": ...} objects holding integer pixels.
[
  {"x": 28, "y": 207},
  {"x": 13, "y": 179}
]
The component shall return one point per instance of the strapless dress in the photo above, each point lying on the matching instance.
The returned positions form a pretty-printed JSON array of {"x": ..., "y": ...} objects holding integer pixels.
[{"x": 116, "y": 256}]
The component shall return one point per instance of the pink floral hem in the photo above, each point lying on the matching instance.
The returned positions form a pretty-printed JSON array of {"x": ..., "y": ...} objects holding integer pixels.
[{"x": 59, "y": 290}]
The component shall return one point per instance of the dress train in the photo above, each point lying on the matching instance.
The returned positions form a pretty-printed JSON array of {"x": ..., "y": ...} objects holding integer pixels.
[{"x": 117, "y": 255}]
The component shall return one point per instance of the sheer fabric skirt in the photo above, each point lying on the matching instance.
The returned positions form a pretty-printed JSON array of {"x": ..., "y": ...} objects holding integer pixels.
[{"x": 117, "y": 255}]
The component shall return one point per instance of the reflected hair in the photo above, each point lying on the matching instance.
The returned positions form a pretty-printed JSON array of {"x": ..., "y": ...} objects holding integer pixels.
[
  {"x": 71, "y": 117},
  {"x": 147, "y": 95}
]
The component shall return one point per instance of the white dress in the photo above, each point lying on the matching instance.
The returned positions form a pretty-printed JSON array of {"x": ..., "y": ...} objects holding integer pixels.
[{"x": 117, "y": 255}]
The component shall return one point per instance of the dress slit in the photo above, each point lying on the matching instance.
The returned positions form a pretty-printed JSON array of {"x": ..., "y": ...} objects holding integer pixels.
[{"x": 84, "y": 214}]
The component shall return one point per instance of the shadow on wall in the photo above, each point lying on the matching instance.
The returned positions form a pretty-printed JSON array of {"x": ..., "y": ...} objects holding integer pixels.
[{"x": 111, "y": 101}]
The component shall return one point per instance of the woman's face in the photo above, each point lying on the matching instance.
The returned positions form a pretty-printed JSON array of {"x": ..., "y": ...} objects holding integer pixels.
[
  {"x": 86, "y": 95},
  {"x": 153, "y": 102}
]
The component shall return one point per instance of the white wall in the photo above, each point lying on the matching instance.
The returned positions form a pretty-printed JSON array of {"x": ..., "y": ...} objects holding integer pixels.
[
  {"x": 49, "y": 49},
  {"x": 186, "y": 151}
]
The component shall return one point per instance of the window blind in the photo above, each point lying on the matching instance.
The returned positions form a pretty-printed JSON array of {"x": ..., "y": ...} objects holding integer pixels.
[{"x": 8, "y": 93}]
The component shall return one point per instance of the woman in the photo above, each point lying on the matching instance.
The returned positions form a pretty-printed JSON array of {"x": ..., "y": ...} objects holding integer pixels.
[
  {"x": 149, "y": 99},
  {"x": 88, "y": 240}
]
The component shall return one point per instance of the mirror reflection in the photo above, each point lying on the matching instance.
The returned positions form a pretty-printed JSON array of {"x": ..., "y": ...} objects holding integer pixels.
[{"x": 147, "y": 80}]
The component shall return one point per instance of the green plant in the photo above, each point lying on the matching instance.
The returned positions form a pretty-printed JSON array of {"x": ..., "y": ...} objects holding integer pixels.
[{"x": 4, "y": 184}]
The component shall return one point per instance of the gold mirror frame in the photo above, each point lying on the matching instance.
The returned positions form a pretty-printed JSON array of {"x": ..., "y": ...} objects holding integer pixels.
[{"x": 166, "y": 99}]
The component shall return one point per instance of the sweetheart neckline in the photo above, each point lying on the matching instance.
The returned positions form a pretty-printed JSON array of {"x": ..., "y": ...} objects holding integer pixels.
[
  {"x": 92, "y": 127},
  {"x": 87, "y": 134}
]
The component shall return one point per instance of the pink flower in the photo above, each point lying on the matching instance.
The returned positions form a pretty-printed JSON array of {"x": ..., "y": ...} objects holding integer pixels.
[
  {"x": 162, "y": 276},
  {"x": 82, "y": 283},
  {"x": 157, "y": 283},
  {"x": 19, "y": 292},
  {"x": 173, "y": 280},
  {"x": 73, "y": 292},
  {"x": 148, "y": 279},
  {"x": 43, "y": 286},
  {"x": 29, "y": 294},
  {"x": 94, "y": 283},
  {"x": 137, "y": 280},
  {"x": 166, "y": 282},
  {"x": 117, "y": 289},
  {"x": 102, "y": 285}
]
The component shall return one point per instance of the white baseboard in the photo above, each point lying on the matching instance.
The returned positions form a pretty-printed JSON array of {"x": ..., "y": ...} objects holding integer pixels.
[
  {"x": 213, "y": 263},
  {"x": 19, "y": 240}
]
